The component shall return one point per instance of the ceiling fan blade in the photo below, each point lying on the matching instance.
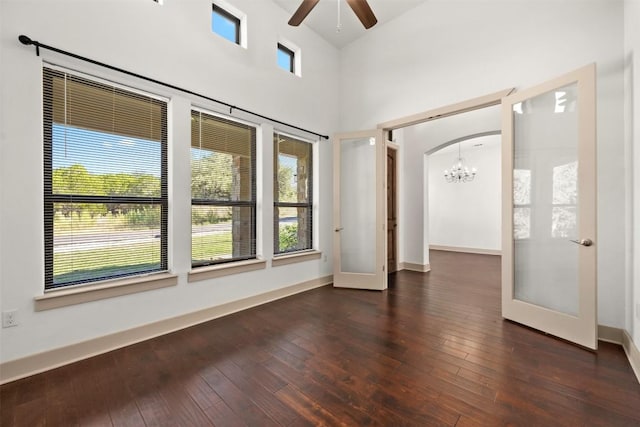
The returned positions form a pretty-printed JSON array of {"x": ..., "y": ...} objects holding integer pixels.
[
  {"x": 302, "y": 12},
  {"x": 364, "y": 13}
]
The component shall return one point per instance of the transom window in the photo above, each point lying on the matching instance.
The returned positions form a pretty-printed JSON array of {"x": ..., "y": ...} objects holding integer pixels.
[
  {"x": 286, "y": 58},
  {"x": 223, "y": 190},
  {"x": 225, "y": 24},
  {"x": 105, "y": 180},
  {"x": 292, "y": 192}
]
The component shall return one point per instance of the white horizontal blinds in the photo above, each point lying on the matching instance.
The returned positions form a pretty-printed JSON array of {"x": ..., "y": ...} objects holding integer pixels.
[
  {"x": 105, "y": 190},
  {"x": 223, "y": 190},
  {"x": 85, "y": 104},
  {"x": 293, "y": 177}
]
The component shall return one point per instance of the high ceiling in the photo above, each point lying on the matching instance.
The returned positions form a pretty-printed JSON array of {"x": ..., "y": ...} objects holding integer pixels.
[{"x": 323, "y": 19}]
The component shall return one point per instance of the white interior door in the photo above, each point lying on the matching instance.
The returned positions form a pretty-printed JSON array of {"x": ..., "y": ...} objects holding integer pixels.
[
  {"x": 359, "y": 216},
  {"x": 549, "y": 207}
]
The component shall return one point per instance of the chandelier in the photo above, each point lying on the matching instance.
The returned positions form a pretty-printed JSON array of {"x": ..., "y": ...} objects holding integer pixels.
[{"x": 459, "y": 172}]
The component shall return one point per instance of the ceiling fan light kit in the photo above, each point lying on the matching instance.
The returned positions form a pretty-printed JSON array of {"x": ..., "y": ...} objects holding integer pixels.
[{"x": 360, "y": 7}]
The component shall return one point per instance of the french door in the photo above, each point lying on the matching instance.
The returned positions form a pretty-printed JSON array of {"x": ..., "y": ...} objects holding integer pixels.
[
  {"x": 359, "y": 215},
  {"x": 549, "y": 207}
]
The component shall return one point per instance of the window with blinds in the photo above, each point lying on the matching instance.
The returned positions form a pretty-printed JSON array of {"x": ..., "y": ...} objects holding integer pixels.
[
  {"x": 292, "y": 192},
  {"x": 105, "y": 180},
  {"x": 223, "y": 190}
]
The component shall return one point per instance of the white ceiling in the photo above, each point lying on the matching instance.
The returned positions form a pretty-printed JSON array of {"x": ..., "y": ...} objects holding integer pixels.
[{"x": 323, "y": 19}]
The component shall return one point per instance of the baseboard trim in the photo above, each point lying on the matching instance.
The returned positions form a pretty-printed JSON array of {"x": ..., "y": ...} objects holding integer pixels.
[
  {"x": 633, "y": 354},
  {"x": 34, "y": 364},
  {"x": 421, "y": 268},
  {"x": 466, "y": 250},
  {"x": 621, "y": 337},
  {"x": 610, "y": 334}
]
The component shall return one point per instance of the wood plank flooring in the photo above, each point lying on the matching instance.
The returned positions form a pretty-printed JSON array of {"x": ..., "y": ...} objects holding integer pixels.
[{"x": 431, "y": 350}]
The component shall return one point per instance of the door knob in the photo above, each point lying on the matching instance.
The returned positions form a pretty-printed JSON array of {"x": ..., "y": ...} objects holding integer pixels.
[
  {"x": 339, "y": 229},
  {"x": 583, "y": 242}
]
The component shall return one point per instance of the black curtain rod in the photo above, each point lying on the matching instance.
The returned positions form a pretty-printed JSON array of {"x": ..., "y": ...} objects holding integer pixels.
[{"x": 25, "y": 40}]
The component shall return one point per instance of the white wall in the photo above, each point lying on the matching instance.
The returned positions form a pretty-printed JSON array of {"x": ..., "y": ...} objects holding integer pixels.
[
  {"x": 466, "y": 215},
  {"x": 414, "y": 232},
  {"x": 446, "y": 51},
  {"x": 172, "y": 43},
  {"x": 632, "y": 140}
]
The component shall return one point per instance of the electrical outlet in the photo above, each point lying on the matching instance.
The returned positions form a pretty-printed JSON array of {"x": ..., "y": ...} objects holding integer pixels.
[
  {"x": 325, "y": 258},
  {"x": 9, "y": 318}
]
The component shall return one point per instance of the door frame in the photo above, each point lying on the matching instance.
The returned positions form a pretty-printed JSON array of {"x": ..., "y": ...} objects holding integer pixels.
[
  {"x": 489, "y": 100},
  {"x": 383, "y": 128},
  {"x": 472, "y": 104},
  {"x": 391, "y": 146}
]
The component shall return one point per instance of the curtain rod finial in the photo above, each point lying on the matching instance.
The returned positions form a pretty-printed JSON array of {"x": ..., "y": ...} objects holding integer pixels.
[{"x": 25, "y": 40}]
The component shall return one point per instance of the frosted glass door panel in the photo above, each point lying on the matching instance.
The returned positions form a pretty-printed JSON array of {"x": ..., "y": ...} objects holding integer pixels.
[
  {"x": 549, "y": 257},
  {"x": 545, "y": 200},
  {"x": 358, "y": 205}
]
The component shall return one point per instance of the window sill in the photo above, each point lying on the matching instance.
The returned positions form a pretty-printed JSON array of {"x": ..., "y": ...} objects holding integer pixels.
[
  {"x": 211, "y": 272},
  {"x": 295, "y": 257},
  {"x": 101, "y": 290}
]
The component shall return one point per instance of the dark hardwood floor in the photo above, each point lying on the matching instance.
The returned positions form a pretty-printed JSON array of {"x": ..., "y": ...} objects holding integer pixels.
[{"x": 432, "y": 350}]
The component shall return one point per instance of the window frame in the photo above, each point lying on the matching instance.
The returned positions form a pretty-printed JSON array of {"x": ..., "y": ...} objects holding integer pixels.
[
  {"x": 308, "y": 204},
  {"x": 296, "y": 54},
  {"x": 237, "y": 21},
  {"x": 292, "y": 57},
  {"x": 230, "y": 203},
  {"x": 50, "y": 199}
]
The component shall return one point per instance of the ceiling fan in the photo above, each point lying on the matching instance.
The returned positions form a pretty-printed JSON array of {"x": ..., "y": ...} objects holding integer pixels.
[{"x": 360, "y": 7}]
